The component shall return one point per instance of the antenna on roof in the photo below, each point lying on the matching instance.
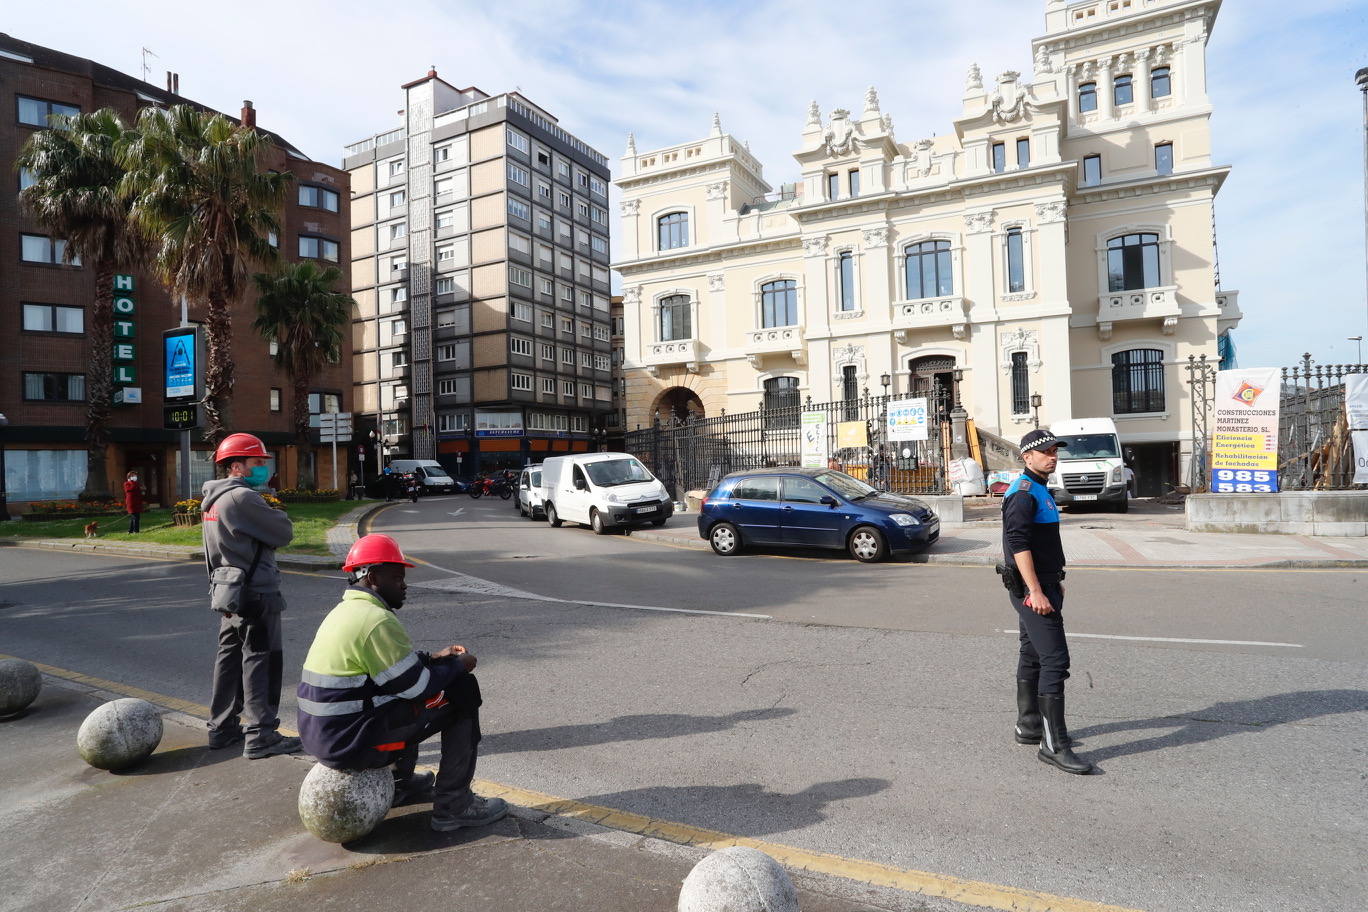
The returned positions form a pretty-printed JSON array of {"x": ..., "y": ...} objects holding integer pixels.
[{"x": 146, "y": 70}]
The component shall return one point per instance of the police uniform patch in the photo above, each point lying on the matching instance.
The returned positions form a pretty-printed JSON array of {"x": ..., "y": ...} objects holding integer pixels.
[{"x": 1025, "y": 485}]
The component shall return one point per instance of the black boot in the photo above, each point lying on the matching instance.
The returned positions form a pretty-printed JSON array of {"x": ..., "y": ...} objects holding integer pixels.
[
  {"x": 1028, "y": 713},
  {"x": 1055, "y": 747}
]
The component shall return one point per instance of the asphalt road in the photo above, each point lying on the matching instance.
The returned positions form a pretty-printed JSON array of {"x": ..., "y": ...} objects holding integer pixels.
[{"x": 869, "y": 718}]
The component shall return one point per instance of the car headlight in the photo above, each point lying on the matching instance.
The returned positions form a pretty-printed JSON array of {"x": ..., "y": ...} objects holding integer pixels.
[
  {"x": 612, "y": 498},
  {"x": 1117, "y": 474},
  {"x": 903, "y": 519}
]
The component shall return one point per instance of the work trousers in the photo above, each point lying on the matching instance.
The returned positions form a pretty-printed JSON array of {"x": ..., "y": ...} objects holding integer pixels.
[
  {"x": 1044, "y": 655},
  {"x": 456, "y": 717},
  {"x": 134, "y": 522},
  {"x": 248, "y": 670}
]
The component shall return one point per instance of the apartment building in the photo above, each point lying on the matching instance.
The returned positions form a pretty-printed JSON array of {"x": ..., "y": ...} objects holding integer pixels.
[
  {"x": 1056, "y": 240},
  {"x": 480, "y": 271},
  {"x": 44, "y": 303}
]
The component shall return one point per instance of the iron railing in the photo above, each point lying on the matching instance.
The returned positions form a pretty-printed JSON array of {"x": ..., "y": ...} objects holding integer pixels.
[
  {"x": 693, "y": 454},
  {"x": 1314, "y": 449}
]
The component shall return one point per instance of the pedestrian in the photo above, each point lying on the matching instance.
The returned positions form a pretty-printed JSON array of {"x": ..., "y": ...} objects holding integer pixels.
[
  {"x": 133, "y": 501},
  {"x": 1033, "y": 570},
  {"x": 242, "y": 531},
  {"x": 367, "y": 698},
  {"x": 387, "y": 482},
  {"x": 1131, "y": 486}
]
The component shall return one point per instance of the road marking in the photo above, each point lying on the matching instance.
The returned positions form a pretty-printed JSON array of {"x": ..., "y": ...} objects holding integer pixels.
[
  {"x": 457, "y": 512},
  {"x": 1114, "y": 636},
  {"x": 969, "y": 892}
]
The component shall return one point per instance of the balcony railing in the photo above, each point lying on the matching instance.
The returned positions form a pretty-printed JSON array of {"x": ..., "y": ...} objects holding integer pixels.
[
  {"x": 775, "y": 340},
  {"x": 678, "y": 351},
  {"x": 930, "y": 313},
  {"x": 1139, "y": 304}
]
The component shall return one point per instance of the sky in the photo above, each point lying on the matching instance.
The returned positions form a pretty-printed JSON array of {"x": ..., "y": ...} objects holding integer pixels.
[{"x": 1287, "y": 116}]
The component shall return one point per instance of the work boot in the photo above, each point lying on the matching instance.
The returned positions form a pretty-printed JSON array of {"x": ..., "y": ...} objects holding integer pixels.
[
  {"x": 281, "y": 745},
  {"x": 1028, "y": 713},
  {"x": 225, "y": 738},
  {"x": 413, "y": 789},
  {"x": 479, "y": 812},
  {"x": 1055, "y": 747}
]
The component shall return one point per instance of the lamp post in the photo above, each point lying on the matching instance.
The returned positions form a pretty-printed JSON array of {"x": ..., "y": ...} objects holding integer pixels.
[
  {"x": 1359, "y": 340},
  {"x": 1035, "y": 406},
  {"x": 1361, "y": 80},
  {"x": 884, "y": 381},
  {"x": 4, "y": 495}
]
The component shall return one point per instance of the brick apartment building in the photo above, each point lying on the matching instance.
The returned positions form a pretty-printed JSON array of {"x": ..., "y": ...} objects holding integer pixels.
[{"x": 44, "y": 304}]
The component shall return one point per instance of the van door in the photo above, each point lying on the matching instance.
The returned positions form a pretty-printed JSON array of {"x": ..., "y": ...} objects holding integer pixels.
[{"x": 575, "y": 496}]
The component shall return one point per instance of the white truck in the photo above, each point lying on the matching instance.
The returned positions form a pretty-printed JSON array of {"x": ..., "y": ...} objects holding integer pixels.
[
  {"x": 1091, "y": 468},
  {"x": 603, "y": 491}
]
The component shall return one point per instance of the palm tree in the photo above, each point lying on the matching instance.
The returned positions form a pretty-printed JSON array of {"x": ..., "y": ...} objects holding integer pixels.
[
  {"x": 299, "y": 308},
  {"x": 74, "y": 195},
  {"x": 198, "y": 185}
]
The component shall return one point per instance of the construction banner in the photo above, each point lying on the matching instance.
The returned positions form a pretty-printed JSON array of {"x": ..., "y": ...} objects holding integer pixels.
[{"x": 1244, "y": 436}]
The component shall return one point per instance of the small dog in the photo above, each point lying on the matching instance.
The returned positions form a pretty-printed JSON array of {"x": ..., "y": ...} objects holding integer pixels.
[{"x": 92, "y": 529}]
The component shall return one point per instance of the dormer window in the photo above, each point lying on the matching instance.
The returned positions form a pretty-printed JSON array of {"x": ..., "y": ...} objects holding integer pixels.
[{"x": 672, "y": 230}]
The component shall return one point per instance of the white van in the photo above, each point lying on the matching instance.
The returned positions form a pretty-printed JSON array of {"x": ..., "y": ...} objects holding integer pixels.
[
  {"x": 603, "y": 491},
  {"x": 1091, "y": 467},
  {"x": 528, "y": 497},
  {"x": 431, "y": 475}
]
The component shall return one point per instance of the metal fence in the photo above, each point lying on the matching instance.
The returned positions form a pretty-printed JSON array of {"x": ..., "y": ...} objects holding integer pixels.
[
  {"x": 694, "y": 453},
  {"x": 1314, "y": 449}
]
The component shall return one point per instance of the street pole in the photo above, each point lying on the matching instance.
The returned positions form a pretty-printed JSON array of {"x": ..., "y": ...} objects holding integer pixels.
[
  {"x": 1361, "y": 80},
  {"x": 185, "y": 435},
  {"x": 4, "y": 492}
]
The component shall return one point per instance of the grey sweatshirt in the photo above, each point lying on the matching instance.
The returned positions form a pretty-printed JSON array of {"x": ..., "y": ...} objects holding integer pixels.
[{"x": 235, "y": 519}]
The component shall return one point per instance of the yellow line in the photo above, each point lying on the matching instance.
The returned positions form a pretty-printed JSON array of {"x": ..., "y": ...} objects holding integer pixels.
[{"x": 969, "y": 892}]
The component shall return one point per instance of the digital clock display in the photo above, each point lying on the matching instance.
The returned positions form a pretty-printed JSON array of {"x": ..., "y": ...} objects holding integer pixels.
[{"x": 181, "y": 417}]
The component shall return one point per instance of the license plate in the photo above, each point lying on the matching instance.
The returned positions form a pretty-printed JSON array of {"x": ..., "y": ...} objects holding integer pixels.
[
  {"x": 1085, "y": 497},
  {"x": 644, "y": 510}
]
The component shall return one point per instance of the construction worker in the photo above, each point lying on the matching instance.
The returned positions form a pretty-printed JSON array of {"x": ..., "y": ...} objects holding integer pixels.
[
  {"x": 367, "y": 698},
  {"x": 242, "y": 531}
]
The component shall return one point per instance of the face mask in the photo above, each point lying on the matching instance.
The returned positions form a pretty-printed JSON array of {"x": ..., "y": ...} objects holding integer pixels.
[
  {"x": 258, "y": 475},
  {"x": 132, "y": 477}
]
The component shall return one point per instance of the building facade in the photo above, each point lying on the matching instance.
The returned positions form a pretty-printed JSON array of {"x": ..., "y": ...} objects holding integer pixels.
[
  {"x": 44, "y": 303},
  {"x": 1057, "y": 242},
  {"x": 480, "y": 271}
]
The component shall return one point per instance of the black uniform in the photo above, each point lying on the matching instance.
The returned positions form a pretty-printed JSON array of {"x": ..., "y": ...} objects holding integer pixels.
[{"x": 1030, "y": 522}]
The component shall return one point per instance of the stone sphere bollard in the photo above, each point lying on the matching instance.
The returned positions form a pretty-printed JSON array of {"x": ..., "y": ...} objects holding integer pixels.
[
  {"x": 119, "y": 734},
  {"x": 738, "y": 879},
  {"x": 344, "y": 805},
  {"x": 20, "y": 682}
]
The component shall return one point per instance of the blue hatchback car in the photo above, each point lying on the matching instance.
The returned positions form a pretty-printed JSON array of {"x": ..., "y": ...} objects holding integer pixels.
[{"x": 819, "y": 508}]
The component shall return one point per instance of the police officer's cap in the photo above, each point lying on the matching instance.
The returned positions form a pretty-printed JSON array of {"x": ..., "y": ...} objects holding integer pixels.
[{"x": 1040, "y": 440}]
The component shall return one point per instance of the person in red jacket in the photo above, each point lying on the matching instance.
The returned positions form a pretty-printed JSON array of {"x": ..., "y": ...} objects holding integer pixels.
[{"x": 133, "y": 501}]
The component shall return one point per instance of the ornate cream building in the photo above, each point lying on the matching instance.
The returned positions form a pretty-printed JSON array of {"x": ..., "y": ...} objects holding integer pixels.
[{"x": 1058, "y": 241}]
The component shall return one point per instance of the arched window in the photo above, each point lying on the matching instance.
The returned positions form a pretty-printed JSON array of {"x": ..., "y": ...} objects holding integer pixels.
[
  {"x": 1133, "y": 262},
  {"x": 845, "y": 280},
  {"x": 1138, "y": 381},
  {"x": 928, "y": 269},
  {"x": 1087, "y": 97},
  {"x": 1016, "y": 261},
  {"x": 1123, "y": 92},
  {"x": 782, "y": 393},
  {"x": 1161, "y": 84},
  {"x": 676, "y": 318},
  {"x": 673, "y": 230},
  {"x": 779, "y": 303}
]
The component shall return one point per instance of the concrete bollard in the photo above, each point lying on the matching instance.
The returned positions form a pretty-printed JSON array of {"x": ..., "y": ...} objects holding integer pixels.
[
  {"x": 119, "y": 734},
  {"x": 344, "y": 805},
  {"x": 20, "y": 682},
  {"x": 738, "y": 879}
]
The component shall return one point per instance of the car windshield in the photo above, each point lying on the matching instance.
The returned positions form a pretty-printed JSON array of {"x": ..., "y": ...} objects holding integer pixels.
[
  {"x": 535, "y": 479},
  {"x": 1089, "y": 446},
  {"x": 436, "y": 472},
  {"x": 843, "y": 484},
  {"x": 612, "y": 472}
]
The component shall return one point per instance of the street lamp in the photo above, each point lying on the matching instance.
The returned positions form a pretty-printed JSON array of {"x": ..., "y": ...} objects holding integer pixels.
[
  {"x": 1035, "y": 406},
  {"x": 4, "y": 496},
  {"x": 1361, "y": 80},
  {"x": 1359, "y": 340}
]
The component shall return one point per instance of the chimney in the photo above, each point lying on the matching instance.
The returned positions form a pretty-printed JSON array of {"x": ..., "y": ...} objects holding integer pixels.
[
  {"x": 175, "y": 82},
  {"x": 168, "y": 81},
  {"x": 248, "y": 114}
]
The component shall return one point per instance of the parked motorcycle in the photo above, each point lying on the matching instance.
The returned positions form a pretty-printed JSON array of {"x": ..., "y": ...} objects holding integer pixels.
[{"x": 491, "y": 486}]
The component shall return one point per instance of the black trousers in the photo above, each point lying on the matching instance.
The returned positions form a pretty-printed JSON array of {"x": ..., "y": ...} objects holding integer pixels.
[
  {"x": 456, "y": 717},
  {"x": 134, "y": 522},
  {"x": 1044, "y": 654}
]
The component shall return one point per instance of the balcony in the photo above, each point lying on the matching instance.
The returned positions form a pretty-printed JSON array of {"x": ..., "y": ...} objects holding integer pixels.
[
  {"x": 1228, "y": 303},
  {"x": 1139, "y": 304},
  {"x": 775, "y": 340},
  {"x": 930, "y": 313},
  {"x": 666, "y": 354}
]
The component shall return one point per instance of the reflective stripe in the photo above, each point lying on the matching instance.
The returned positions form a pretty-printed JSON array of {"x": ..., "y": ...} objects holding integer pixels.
[
  {"x": 383, "y": 699},
  {"x": 417, "y": 689},
  {"x": 398, "y": 668},
  {"x": 341, "y": 708},
  {"x": 334, "y": 681}
]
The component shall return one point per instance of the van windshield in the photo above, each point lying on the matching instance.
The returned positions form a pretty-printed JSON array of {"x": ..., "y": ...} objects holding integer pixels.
[
  {"x": 435, "y": 472},
  {"x": 612, "y": 472},
  {"x": 1089, "y": 446}
]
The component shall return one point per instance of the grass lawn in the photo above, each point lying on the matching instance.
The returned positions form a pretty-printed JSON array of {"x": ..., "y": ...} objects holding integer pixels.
[{"x": 311, "y": 524}]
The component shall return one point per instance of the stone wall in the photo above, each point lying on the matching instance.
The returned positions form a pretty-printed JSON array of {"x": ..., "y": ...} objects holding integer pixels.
[{"x": 1288, "y": 513}]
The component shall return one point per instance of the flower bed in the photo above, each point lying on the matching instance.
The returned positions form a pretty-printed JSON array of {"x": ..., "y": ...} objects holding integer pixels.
[
  {"x": 51, "y": 508},
  {"x": 295, "y": 495}
]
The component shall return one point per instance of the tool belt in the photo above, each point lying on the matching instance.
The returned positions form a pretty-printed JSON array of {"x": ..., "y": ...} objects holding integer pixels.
[{"x": 1015, "y": 585}]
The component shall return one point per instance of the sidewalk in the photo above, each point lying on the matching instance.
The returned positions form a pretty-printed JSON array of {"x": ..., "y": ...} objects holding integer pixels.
[
  {"x": 1150, "y": 536},
  {"x": 192, "y": 829}
]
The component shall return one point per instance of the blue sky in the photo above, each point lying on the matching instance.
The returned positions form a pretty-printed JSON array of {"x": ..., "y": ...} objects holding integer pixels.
[{"x": 1290, "y": 219}]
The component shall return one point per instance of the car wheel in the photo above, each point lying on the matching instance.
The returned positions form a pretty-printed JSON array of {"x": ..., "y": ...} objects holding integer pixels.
[
  {"x": 551, "y": 516},
  {"x": 725, "y": 539},
  {"x": 657, "y": 523},
  {"x": 867, "y": 544},
  {"x": 1123, "y": 506},
  {"x": 596, "y": 523}
]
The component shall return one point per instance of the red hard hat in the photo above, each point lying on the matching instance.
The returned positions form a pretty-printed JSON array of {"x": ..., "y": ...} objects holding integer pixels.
[
  {"x": 240, "y": 446},
  {"x": 374, "y": 549}
]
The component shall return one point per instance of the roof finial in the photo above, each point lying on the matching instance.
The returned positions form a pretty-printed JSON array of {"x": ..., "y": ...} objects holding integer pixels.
[
  {"x": 432, "y": 71},
  {"x": 631, "y": 144},
  {"x": 717, "y": 124},
  {"x": 814, "y": 118},
  {"x": 871, "y": 101},
  {"x": 975, "y": 79}
]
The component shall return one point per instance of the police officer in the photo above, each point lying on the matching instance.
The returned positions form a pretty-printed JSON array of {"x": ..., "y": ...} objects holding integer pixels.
[{"x": 1032, "y": 550}]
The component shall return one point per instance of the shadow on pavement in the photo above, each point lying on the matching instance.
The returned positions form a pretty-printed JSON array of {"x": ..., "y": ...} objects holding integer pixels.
[
  {"x": 180, "y": 760},
  {"x": 746, "y": 810},
  {"x": 623, "y": 728},
  {"x": 1220, "y": 720}
]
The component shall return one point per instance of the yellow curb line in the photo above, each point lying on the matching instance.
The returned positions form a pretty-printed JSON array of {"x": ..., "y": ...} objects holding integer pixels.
[{"x": 968, "y": 892}]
